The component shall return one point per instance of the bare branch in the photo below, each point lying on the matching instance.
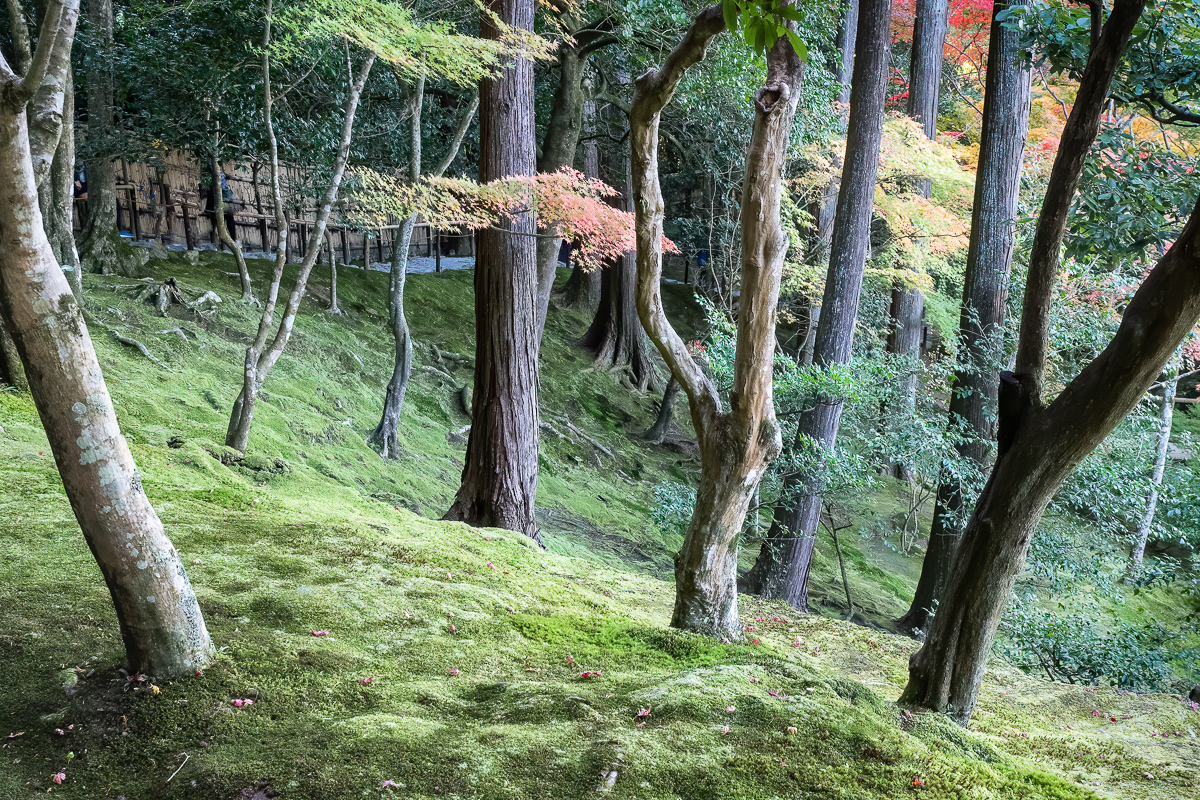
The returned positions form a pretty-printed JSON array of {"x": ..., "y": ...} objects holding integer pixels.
[
  {"x": 20, "y": 35},
  {"x": 24, "y": 90}
]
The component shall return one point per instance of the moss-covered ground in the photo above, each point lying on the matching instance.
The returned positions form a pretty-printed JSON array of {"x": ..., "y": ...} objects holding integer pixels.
[{"x": 453, "y": 660}]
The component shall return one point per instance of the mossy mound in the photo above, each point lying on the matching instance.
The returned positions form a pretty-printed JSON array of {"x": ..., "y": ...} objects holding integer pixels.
[{"x": 452, "y": 659}]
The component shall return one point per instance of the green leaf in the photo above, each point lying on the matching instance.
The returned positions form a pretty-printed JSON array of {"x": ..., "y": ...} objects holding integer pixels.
[
  {"x": 797, "y": 44},
  {"x": 729, "y": 9}
]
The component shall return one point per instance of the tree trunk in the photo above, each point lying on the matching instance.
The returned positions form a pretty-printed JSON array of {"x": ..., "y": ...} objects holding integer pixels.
[
  {"x": 1160, "y": 464},
  {"x": 99, "y": 240},
  {"x": 985, "y": 291},
  {"x": 260, "y": 358},
  {"x": 499, "y": 480},
  {"x": 334, "y": 308},
  {"x": 583, "y": 287},
  {"x": 1040, "y": 445},
  {"x": 735, "y": 446},
  {"x": 60, "y": 227},
  {"x": 616, "y": 338},
  {"x": 781, "y": 570},
  {"x": 11, "y": 371},
  {"x": 160, "y": 620},
  {"x": 847, "y": 36},
  {"x": 666, "y": 410},
  {"x": 221, "y": 218}
]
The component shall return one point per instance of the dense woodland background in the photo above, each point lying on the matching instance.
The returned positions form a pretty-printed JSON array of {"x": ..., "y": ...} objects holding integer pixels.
[{"x": 817, "y": 383}]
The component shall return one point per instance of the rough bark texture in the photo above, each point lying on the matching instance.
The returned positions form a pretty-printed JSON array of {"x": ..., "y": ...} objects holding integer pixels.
[
  {"x": 583, "y": 287},
  {"x": 11, "y": 371},
  {"x": 666, "y": 411},
  {"x": 847, "y": 36},
  {"x": 1160, "y": 464},
  {"x": 100, "y": 240},
  {"x": 160, "y": 620},
  {"x": 735, "y": 446},
  {"x": 499, "y": 480},
  {"x": 616, "y": 338},
  {"x": 260, "y": 357},
  {"x": 985, "y": 290},
  {"x": 1040, "y": 445},
  {"x": 781, "y": 570},
  {"x": 331, "y": 262},
  {"x": 387, "y": 433}
]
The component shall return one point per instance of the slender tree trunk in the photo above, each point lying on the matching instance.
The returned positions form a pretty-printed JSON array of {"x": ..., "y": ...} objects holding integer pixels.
[
  {"x": 666, "y": 410},
  {"x": 387, "y": 432},
  {"x": 60, "y": 229},
  {"x": 260, "y": 357},
  {"x": 100, "y": 238},
  {"x": 583, "y": 287},
  {"x": 735, "y": 446},
  {"x": 334, "y": 308},
  {"x": 1040, "y": 445},
  {"x": 616, "y": 338},
  {"x": 499, "y": 480},
  {"x": 160, "y": 620},
  {"x": 11, "y": 371},
  {"x": 221, "y": 225},
  {"x": 985, "y": 291},
  {"x": 847, "y": 36},
  {"x": 1156, "y": 476},
  {"x": 781, "y": 570}
]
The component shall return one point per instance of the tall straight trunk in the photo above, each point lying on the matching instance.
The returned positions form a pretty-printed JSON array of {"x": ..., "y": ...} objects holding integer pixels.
[
  {"x": 1040, "y": 445},
  {"x": 985, "y": 290},
  {"x": 1156, "y": 476},
  {"x": 60, "y": 226},
  {"x": 160, "y": 620},
  {"x": 616, "y": 338},
  {"x": 261, "y": 357},
  {"x": 499, "y": 479},
  {"x": 387, "y": 432},
  {"x": 735, "y": 446},
  {"x": 583, "y": 287},
  {"x": 847, "y": 36},
  {"x": 331, "y": 261},
  {"x": 781, "y": 570},
  {"x": 99, "y": 238}
]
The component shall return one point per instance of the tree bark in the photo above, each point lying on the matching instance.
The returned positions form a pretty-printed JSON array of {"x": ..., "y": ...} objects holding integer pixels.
[
  {"x": 499, "y": 480},
  {"x": 985, "y": 290},
  {"x": 221, "y": 217},
  {"x": 666, "y": 410},
  {"x": 331, "y": 260},
  {"x": 1160, "y": 464},
  {"x": 160, "y": 620},
  {"x": 735, "y": 446},
  {"x": 583, "y": 287},
  {"x": 1040, "y": 445},
  {"x": 781, "y": 570},
  {"x": 616, "y": 338},
  {"x": 260, "y": 357},
  {"x": 100, "y": 238},
  {"x": 847, "y": 36},
  {"x": 387, "y": 432}
]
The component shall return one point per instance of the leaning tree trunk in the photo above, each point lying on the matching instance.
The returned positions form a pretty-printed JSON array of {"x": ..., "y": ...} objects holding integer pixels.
[
  {"x": 1040, "y": 445},
  {"x": 985, "y": 287},
  {"x": 781, "y": 570},
  {"x": 160, "y": 620},
  {"x": 735, "y": 446},
  {"x": 387, "y": 432},
  {"x": 100, "y": 239},
  {"x": 657, "y": 432},
  {"x": 1160, "y": 464},
  {"x": 60, "y": 227},
  {"x": 499, "y": 479},
  {"x": 221, "y": 225},
  {"x": 583, "y": 287},
  {"x": 616, "y": 338}
]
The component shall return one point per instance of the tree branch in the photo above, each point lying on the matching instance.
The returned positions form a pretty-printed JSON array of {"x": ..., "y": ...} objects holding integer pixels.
[
  {"x": 1077, "y": 138},
  {"x": 20, "y": 35},
  {"x": 460, "y": 131},
  {"x": 1097, "y": 10},
  {"x": 652, "y": 91},
  {"x": 24, "y": 90}
]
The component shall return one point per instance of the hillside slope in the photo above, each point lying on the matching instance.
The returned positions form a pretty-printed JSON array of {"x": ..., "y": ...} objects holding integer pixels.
[{"x": 453, "y": 660}]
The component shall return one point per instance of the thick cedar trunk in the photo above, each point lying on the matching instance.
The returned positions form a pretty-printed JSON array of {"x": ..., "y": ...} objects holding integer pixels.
[
  {"x": 735, "y": 447},
  {"x": 1156, "y": 476},
  {"x": 387, "y": 432},
  {"x": 499, "y": 480},
  {"x": 160, "y": 620},
  {"x": 781, "y": 570},
  {"x": 985, "y": 289},
  {"x": 1039, "y": 446},
  {"x": 583, "y": 287},
  {"x": 616, "y": 338},
  {"x": 260, "y": 357},
  {"x": 99, "y": 239}
]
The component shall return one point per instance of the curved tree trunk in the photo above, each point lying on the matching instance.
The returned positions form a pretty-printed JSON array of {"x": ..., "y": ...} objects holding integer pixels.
[
  {"x": 735, "y": 446},
  {"x": 1040, "y": 445},
  {"x": 160, "y": 620},
  {"x": 1160, "y": 464},
  {"x": 331, "y": 260},
  {"x": 985, "y": 289},
  {"x": 100, "y": 239},
  {"x": 666, "y": 410},
  {"x": 781, "y": 570},
  {"x": 221, "y": 224},
  {"x": 499, "y": 480}
]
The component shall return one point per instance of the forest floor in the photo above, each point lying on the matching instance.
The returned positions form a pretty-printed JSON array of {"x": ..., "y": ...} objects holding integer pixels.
[{"x": 453, "y": 660}]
